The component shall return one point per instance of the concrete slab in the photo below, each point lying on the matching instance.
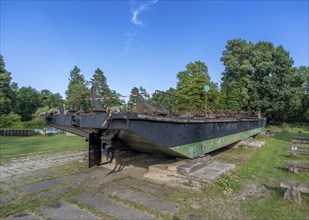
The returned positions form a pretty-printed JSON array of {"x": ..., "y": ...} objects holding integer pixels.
[
  {"x": 174, "y": 166},
  {"x": 36, "y": 187},
  {"x": 30, "y": 163},
  {"x": 190, "y": 167},
  {"x": 256, "y": 144},
  {"x": 24, "y": 216},
  {"x": 211, "y": 172},
  {"x": 200, "y": 171},
  {"x": 145, "y": 186},
  {"x": 140, "y": 198},
  {"x": 111, "y": 207},
  {"x": 162, "y": 168},
  {"x": 63, "y": 210}
]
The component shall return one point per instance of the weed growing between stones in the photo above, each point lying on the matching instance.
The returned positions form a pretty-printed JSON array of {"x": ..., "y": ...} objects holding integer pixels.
[{"x": 228, "y": 184}]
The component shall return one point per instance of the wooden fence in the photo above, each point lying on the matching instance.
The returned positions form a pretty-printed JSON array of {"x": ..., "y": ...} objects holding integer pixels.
[{"x": 16, "y": 132}]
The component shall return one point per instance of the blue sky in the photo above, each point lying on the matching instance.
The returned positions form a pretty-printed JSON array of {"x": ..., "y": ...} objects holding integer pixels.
[{"x": 139, "y": 43}]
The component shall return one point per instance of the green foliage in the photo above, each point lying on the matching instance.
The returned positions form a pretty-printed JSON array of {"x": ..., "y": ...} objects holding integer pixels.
[
  {"x": 261, "y": 77},
  {"x": 28, "y": 101},
  {"x": 190, "y": 88},
  {"x": 41, "y": 111},
  {"x": 228, "y": 184},
  {"x": 165, "y": 101},
  {"x": 7, "y": 94},
  {"x": 34, "y": 123},
  {"x": 11, "y": 120},
  {"x": 109, "y": 97},
  {"x": 99, "y": 81},
  {"x": 77, "y": 92},
  {"x": 138, "y": 91},
  {"x": 51, "y": 100}
]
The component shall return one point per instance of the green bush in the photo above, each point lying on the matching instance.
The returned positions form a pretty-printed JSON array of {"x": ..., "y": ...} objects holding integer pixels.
[
  {"x": 34, "y": 123},
  {"x": 11, "y": 120}
]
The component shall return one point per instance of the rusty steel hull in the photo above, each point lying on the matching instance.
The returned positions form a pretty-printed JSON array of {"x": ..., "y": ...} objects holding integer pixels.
[{"x": 190, "y": 138}]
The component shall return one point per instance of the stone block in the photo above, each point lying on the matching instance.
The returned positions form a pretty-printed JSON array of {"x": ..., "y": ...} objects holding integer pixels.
[
  {"x": 111, "y": 207},
  {"x": 140, "y": 198},
  {"x": 256, "y": 144},
  {"x": 293, "y": 194},
  {"x": 62, "y": 210}
]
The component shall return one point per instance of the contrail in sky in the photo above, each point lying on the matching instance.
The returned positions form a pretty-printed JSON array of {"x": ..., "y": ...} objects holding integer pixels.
[
  {"x": 130, "y": 37},
  {"x": 139, "y": 9},
  {"x": 136, "y": 10}
]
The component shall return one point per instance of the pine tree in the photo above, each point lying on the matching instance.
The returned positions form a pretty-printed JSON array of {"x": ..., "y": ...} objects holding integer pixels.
[
  {"x": 77, "y": 94},
  {"x": 99, "y": 81},
  {"x": 108, "y": 97}
]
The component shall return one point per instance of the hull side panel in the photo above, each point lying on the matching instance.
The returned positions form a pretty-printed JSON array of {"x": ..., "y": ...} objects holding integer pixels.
[
  {"x": 197, "y": 149},
  {"x": 172, "y": 135}
]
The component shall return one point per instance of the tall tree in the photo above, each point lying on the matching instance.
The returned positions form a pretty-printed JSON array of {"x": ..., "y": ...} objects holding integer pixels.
[
  {"x": 28, "y": 101},
  {"x": 165, "y": 101},
  {"x": 260, "y": 77},
  {"x": 51, "y": 100},
  {"x": 7, "y": 95},
  {"x": 134, "y": 92},
  {"x": 77, "y": 94},
  {"x": 138, "y": 91},
  {"x": 190, "y": 88},
  {"x": 109, "y": 97},
  {"x": 303, "y": 73},
  {"x": 236, "y": 76},
  {"x": 99, "y": 81}
]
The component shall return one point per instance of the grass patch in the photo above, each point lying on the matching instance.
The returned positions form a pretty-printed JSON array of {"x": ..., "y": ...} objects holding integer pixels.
[
  {"x": 20, "y": 206},
  {"x": 267, "y": 169},
  {"x": 14, "y": 147},
  {"x": 274, "y": 207}
]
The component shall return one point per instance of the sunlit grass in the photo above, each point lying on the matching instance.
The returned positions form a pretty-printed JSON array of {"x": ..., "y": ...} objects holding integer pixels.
[
  {"x": 14, "y": 147},
  {"x": 267, "y": 169}
]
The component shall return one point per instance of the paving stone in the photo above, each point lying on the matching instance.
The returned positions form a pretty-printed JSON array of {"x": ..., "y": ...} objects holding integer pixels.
[
  {"x": 7, "y": 191},
  {"x": 21, "y": 181},
  {"x": 4, "y": 174},
  {"x": 191, "y": 167},
  {"x": 38, "y": 162},
  {"x": 36, "y": 187},
  {"x": 211, "y": 172},
  {"x": 2, "y": 198},
  {"x": 111, "y": 207},
  {"x": 140, "y": 198},
  {"x": 145, "y": 186},
  {"x": 23, "y": 216},
  {"x": 63, "y": 210}
]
